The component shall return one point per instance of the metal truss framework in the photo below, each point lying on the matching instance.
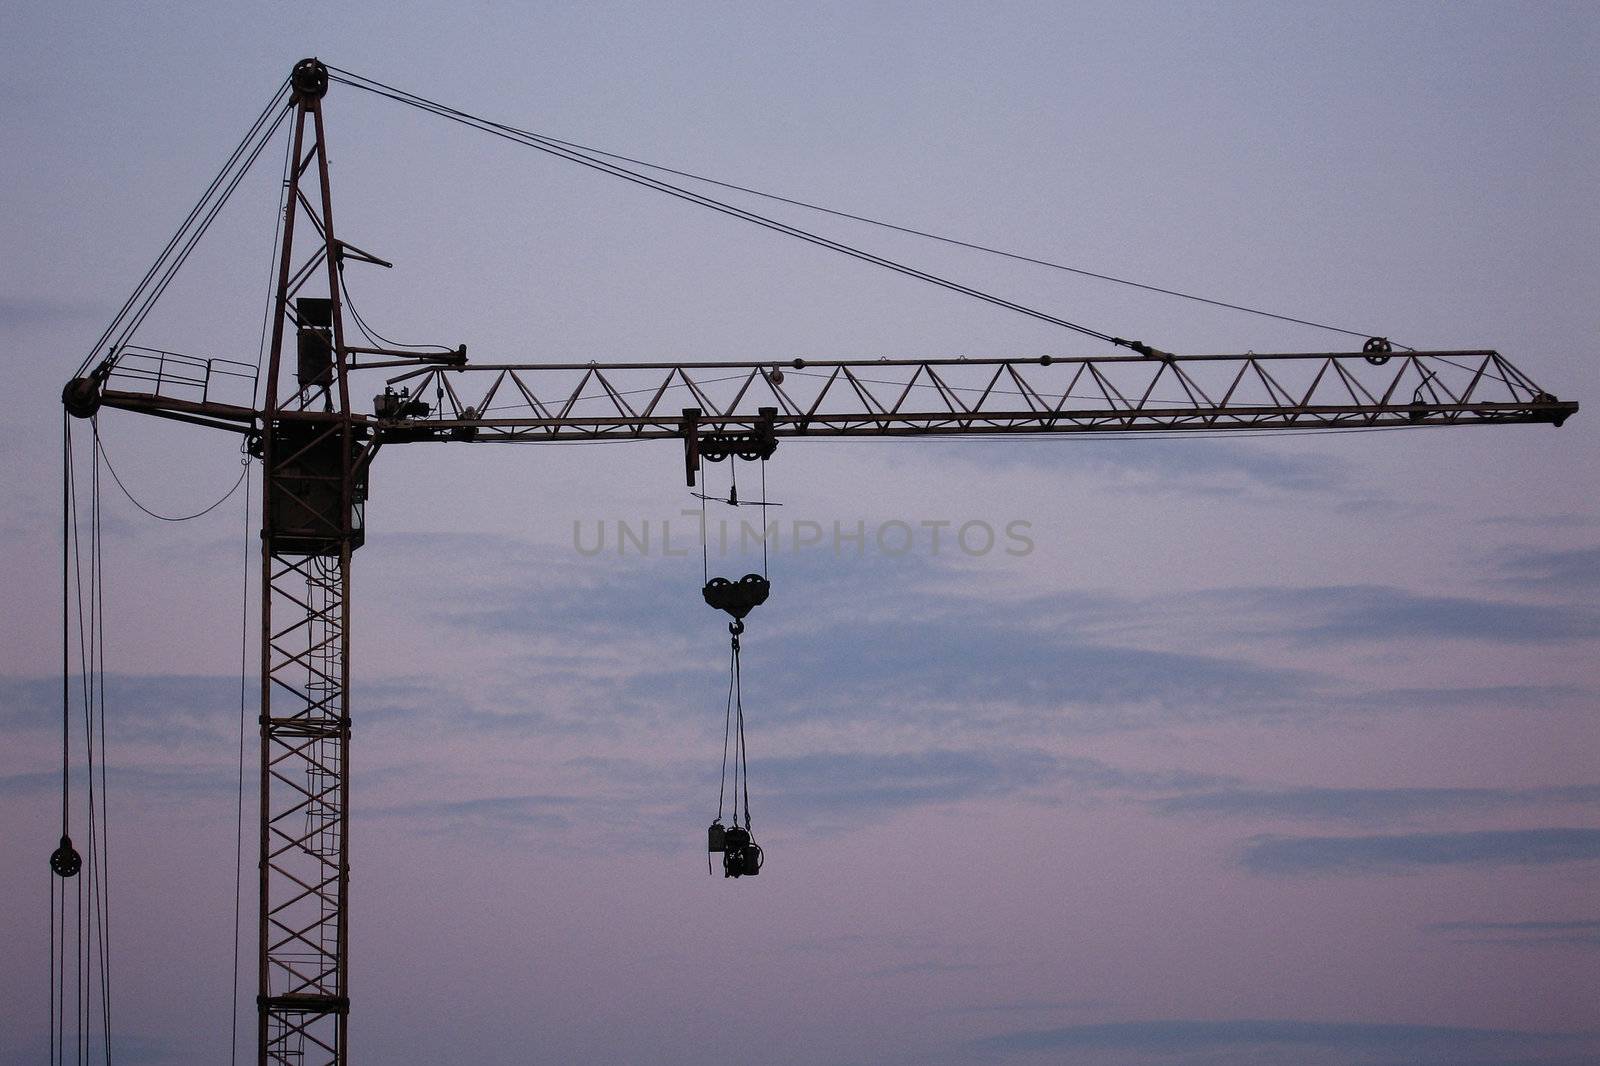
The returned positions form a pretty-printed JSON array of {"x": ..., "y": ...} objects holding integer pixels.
[
  {"x": 1047, "y": 394},
  {"x": 563, "y": 402},
  {"x": 316, "y": 448},
  {"x": 310, "y": 526}
]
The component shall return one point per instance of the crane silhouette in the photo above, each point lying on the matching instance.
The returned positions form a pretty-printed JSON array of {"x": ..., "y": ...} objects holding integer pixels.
[{"x": 316, "y": 442}]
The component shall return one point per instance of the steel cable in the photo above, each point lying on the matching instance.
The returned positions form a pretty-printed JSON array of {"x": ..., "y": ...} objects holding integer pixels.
[
  {"x": 242, "y": 149},
  {"x": 535, "y": 141},
  {"x": 596, "y": 158}
]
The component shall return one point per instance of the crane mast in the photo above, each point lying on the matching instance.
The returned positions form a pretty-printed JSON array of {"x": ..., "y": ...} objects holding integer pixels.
[
  {"x": 316, "y": 448},
  {"x": 314, "y": 460}
]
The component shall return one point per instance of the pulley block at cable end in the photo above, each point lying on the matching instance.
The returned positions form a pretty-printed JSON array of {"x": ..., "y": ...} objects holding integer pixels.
[
  {"x": 309, "y": 79},
  {"x": 81, "y": 397},
  {"x": 738, "y": 598},
  {"x": 65, "y": 860},
  {"x": 741, "y": 856}
]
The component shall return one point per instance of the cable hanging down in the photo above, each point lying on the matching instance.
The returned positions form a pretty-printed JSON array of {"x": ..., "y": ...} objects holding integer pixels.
[
  {"x": 741, "y": 855},
  {"x": 87, "y": 873}
]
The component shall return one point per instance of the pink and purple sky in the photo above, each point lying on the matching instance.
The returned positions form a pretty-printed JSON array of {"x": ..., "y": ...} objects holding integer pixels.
[{"x": 1273, "y": 749}]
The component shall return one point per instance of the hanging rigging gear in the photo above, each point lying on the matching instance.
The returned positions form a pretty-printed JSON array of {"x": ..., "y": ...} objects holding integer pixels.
[
  {"x": 65, "y": 860},
  {"x": 741, "y": 855},
  {"x": 738, "y": 598}
]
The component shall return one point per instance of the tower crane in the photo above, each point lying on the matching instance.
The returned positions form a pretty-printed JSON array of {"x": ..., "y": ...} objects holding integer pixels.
[{"x": 316, "y": 441}]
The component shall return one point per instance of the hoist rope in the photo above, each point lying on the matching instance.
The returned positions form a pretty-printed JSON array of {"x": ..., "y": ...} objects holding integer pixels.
[
  {"x": 727, "y": 731},
  {"x": 238, "y": 829},
  {"x": 58, "y": 900},
  {"x": 744, "y": 752},
  {"x": 81, "y": 945},
  {"x": 66, "y": 594},
  {"x": 764, "y": 572},
  {"x": 51, "y": 983},
  {"x": 99, "y": 815},
  {"x": 82, "y": 601},
  {"x": 733, "y": 730},
  {"x": 705, "y": 550}
]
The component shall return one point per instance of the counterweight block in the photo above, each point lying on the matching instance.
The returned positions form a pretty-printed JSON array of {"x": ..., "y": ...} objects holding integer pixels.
[{"x": 305, "y": 490}]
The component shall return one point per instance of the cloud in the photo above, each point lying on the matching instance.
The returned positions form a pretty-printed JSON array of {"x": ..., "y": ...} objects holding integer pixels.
[
  {"x": 1592, "y": 925},
  {"x": 942, "y": 673},
  {"x": 22, "y": 312},
  {"x": 1477, "y": 697},
  {"x": 897, "y": 639},
  {"x": 1026, "y": 1006},
  {"x": 1369, "y": 804},
  {"x": 157, "y": 707},
  {"x": 1584, "y": 933},
  {"x": 1568, "y": 570},
  {"x": 181, "y": 782},
  {"x": 489, "y": 813},
  {"x": 828, "y": 783},
  {"x": 1171, "y": 1037},
  {"x": 1380, "y": 613},
  {"x": 129, "y": 1047},
  {"x": 889, "y": 639},
  {"x": 928, "y": 966},
  {"x": 1564, "y": 520},
  {"x": 1415, "y": 851},
  {"x": 644, "y": 803},
  {"x": 849, "y": 782},
  {"x": 1165, "y": 465}
]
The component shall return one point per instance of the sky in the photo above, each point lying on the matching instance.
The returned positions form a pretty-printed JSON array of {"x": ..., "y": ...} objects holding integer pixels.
[{"x": 1265, "y": 749}]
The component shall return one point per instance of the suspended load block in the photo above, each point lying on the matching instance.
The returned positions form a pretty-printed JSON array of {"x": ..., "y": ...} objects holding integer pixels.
[
  {"x": 738, "y": 598},
  {"x": 305, "y": 509}
]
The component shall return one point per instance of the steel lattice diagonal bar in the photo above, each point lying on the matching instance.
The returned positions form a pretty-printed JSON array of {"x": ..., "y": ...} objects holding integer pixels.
[{"x": 533, "y": 402}]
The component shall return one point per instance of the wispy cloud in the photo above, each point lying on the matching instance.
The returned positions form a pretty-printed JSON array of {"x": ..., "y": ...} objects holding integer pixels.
[
  {"x": 1561, "y": 520},
  {"x": 844, "y": 781},
  {"x": 23, "y": 312},
  {"x": 1029, "y": 1006},
  {"x": 489, "y": 813},
  {"x": 1386, "y": 613},
  {"x": 1587, "y": 925},
  {"x": 889, "y": 638},
  {"x": 1369, "y": 804},
  {"x": 160, "y": 707},
  {"x": 1190, "y": 467},
  {"x": 1561, "y": 570},
  {"x": 1459, "y": 698},
  {"x": 896, "y": 639},
  {"x": 646, "y": 802},
  {"x": 1404, "y": 852},
  {"x": 928, "y": 967},
  {"x": 182, "y": 782},
  {"x": 1584, "y": 933},
  {"x": 1170, "y": 1037}
]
